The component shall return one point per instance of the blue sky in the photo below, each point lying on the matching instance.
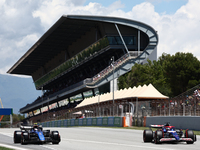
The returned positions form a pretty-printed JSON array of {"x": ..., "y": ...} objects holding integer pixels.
[
  {"x": 176, "y": 21},
  {"x": 161, "y": 6}
]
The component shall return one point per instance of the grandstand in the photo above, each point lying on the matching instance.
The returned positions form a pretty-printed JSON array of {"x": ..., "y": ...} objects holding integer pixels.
[{"x": 82, "y": 56}]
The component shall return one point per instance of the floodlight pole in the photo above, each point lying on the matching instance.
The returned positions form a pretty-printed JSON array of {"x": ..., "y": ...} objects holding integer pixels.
[
  {"x": 11, "y": 120},
  {"x": 42, "y": 102},
  {"x": 48, "y": 109}
]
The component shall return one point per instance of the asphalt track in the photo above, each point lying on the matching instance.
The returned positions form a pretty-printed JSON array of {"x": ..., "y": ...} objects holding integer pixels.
[{"x": 93, "y": 138}]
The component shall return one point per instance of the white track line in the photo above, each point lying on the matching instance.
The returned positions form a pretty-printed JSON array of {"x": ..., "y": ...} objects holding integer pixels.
[{"x": 48, "y": 147}]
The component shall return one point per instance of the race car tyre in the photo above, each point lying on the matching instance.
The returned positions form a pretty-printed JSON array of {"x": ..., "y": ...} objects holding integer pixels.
[
  {"x": 189, "y": 134},
  {"x": 158, "y": 136},
  {"x": 147, "y": 135},
  {"x": 195, "y": 138},
  {"x": 24, "y": 137},
  {"x": 22, "y": 140},
  {"x": 17, "y": 137},
  {"x": 55, "y": 137}
]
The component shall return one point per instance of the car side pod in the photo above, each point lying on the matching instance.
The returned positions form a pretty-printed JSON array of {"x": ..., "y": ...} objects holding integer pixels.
[{"x": 147, "y": 135}]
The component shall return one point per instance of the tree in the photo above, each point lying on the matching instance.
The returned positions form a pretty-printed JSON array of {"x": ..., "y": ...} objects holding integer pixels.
[
  {"x": 171, "y": 75},
  {"x": 16, "y": 118},
  {"x": 182, "y": 71}
]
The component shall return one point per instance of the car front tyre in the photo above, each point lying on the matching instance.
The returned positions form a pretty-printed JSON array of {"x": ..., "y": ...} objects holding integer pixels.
[
  {"x": 55, "y": 137},
  {"x": 190, "y": 134}
]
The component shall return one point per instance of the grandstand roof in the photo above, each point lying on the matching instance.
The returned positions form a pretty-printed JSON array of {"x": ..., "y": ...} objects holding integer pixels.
[
  {"x": 141, "y": 92},
  {"x": 62, "y": 34},
  {"x": 58, "y": 37}
]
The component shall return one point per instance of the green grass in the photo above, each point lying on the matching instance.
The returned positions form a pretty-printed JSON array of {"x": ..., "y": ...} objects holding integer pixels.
[{"x": 4, "y": 148}]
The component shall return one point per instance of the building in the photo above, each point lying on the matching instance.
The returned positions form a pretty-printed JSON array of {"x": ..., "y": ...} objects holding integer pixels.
[{"x": 79, "y": 56}]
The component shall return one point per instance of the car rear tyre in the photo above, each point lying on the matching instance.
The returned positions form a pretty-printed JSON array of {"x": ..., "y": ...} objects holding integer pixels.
[
  {"x": 147, "y": 135},
  {"x": 195, "y": 138},
  {"x": 17, "y": 137},
  {"x": 22, "y": 140},
  {"x": 24, "y": 137}
]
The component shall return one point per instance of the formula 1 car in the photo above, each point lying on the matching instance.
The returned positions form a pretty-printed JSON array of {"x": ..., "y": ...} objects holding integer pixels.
[
  {"x": 35, "y": 134},
  {"x": 167, "y": 133}
]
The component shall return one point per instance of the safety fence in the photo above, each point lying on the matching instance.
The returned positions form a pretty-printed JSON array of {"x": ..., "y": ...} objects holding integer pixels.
[{"x": 185, "y": 104}]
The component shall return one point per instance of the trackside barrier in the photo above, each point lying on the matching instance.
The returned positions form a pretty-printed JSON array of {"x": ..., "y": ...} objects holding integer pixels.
[
  {"x": 100, "y": 121},
  {"x": 182, "y": 122},
  {"x": 124, "y": 122}
]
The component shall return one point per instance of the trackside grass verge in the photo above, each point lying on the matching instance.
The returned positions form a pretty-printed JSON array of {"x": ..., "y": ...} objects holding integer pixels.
[{"x": 4, "y": 148}]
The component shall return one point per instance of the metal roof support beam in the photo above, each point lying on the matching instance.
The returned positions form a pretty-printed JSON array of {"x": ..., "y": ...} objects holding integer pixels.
[
  {"x": 138, "y": 41},
  {"x": 122, "y": 39},
  {"x": 83, "y": 97}
]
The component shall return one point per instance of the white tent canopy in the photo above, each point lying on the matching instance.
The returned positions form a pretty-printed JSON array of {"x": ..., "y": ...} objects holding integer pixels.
[{"x": 141, "y": 92}]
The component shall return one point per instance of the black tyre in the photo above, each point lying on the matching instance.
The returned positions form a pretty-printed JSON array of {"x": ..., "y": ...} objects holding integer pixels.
[
  {"x": 17, "y": 137},
  {"x": 195, "y": 138},
  {"x": 158, "y": 136},
  {"x": 22, "y": 140},
  {"x": 24, "y": 137},
  {"x": 147, "y": 135},
  {"x": 55, "y": 137},
  {"x": 190, "y": 134}
]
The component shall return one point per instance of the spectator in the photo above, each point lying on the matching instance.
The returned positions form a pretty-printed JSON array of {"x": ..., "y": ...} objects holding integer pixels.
[
  {"x": 197, "y": 92},
  {"x": 187, "y": 101}
]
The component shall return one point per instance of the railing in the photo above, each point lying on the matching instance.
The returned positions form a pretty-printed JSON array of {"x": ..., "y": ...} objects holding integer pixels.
[
  {"x": 109, "y": 68},
  {"x": 135, "y": 53},
  {"x": 66, "y": 66}
]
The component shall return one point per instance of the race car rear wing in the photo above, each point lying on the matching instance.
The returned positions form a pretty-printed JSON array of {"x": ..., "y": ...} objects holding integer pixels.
[{"x": 156, "y": 126}]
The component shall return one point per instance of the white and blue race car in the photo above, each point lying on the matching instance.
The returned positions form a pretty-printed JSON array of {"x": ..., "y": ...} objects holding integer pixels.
[
  {"x": 168, "y": 133},
  {"x": 35, "y": 134}
]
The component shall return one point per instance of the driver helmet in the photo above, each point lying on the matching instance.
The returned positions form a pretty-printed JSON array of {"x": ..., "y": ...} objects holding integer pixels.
[
  {"x": 167, "y": 124},
  {"x": 35, "y": 126}
]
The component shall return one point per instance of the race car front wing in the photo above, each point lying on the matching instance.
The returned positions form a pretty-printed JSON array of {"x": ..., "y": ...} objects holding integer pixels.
[{"x": 174, "y": 140}]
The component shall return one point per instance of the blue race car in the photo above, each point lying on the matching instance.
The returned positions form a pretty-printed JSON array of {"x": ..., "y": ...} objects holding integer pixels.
[
  {"x": 35, "y": 134},
  {"x": 168, "y": 133}
]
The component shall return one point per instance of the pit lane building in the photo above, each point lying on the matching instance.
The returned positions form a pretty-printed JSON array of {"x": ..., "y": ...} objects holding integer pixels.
[{"x": 79, "y": 56}]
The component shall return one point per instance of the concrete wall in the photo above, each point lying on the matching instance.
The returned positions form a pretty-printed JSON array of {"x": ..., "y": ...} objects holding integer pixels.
[{"x": 182, "y": 122}]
